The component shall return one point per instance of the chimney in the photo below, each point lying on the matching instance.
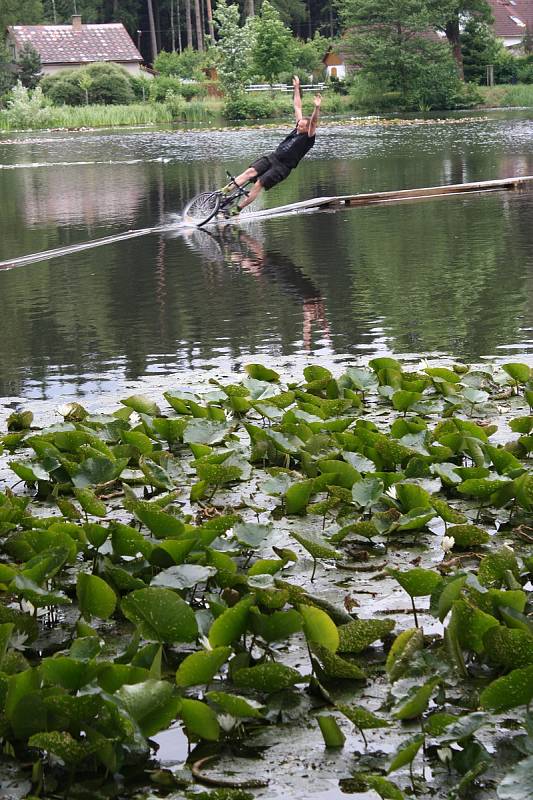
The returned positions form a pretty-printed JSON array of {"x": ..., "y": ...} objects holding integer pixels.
[{"x": 76, "y": 22}]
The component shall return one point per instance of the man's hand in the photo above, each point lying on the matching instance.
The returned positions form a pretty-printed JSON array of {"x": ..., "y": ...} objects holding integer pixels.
[
  {"x": 318, "y": 100},
  {"x": 296, "y": 81}
]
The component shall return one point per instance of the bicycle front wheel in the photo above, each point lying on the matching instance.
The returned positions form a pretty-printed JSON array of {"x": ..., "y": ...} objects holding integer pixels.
[{"x": 201, "y": 208}]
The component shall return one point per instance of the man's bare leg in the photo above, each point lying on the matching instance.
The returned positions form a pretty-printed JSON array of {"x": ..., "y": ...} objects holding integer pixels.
[{"x": 252, "y": 194}]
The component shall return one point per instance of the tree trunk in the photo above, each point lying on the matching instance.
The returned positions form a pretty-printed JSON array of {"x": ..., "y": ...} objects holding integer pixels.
[
  {"x": 172, "y": 29},
  {"x": 199, "y": 34},
  {"x": 188, "y": 22},
  {"x": 454, "y": 38},
  {"x": 178, "y": 18},
  {"x": 249, "y": 8},
  {"x": 151, "y": 23},
  {"x": 157, "y": 16},
  {"x": 210, "y": 25}
]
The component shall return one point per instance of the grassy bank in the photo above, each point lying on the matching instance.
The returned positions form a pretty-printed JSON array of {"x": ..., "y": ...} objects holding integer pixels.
[
  {"x": 520, "y": 94},
  {"x": 254, "y": 106}
]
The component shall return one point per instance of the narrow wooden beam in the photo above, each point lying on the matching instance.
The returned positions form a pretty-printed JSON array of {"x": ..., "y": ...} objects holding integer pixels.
[{"x": 371, "y": 198}]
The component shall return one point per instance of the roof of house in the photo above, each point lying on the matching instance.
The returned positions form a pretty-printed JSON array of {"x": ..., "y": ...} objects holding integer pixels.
[
  {"x": 512, "y": 17},
  {"x": 63, "y": 44}
]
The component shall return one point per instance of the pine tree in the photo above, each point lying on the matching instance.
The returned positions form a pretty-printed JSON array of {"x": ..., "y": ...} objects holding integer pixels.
[{"x": 29, "y": 66}]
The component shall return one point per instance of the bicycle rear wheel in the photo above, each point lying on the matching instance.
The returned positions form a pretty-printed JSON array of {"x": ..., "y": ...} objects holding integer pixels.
[{"x": 202, "y": 208}]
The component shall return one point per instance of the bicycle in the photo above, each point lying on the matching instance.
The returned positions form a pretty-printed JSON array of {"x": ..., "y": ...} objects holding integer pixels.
[{"x": 202, "y": 208}]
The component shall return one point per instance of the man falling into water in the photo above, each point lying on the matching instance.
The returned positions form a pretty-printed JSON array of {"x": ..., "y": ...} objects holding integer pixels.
[{"x": 271, "y": 169}]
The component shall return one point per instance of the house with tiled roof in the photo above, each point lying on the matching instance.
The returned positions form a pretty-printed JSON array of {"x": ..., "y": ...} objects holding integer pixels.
[
  {"x": 77, "y": 45},
  {"x": 512, "y": 20}
]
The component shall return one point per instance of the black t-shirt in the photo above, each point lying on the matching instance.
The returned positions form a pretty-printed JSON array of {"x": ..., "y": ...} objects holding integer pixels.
[{"x": 293, "y": 148}]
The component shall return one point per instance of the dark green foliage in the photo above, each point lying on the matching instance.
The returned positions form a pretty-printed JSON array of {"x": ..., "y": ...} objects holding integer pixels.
[
  {"x": 106, "y": 83},
  {"x": 29, "y": 66}
]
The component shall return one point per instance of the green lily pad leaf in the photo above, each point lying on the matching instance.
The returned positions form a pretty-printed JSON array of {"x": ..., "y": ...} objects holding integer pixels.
[
  {"x": 319, "y": 628},
  {"x": 152, "y": 704},
  {"x": 205, "y": 431},
  {"x": 329, "y": 727},
  {"x": 155, "y": 474},
  {"x": 162, "y": 524},
  {"x": 95, "y": 597},
  {"x": 436, "y": 724},
  {"x": 524, "y": 491},
  {"x": 446, "y": 512},
  {"x": 29, "y": 472},
  {"x": 333, "y": 666},
  {"x": 261, "y": 373},
  {"x": 19, "y": 420},
  {"x": 70, "y": 673},
  {"x": 418, "y": 702},
  {"x": 362, "y": 379},
  {"x": 63, "y": 746},
  {"x": 403, "y": 649},
  {"x": 361, "y": 717},
  {"x": 520, "y": 373},
  {"x": 466, "y": 536},
  {"x": 317, "y": 548},
  {"x": 518, "y": 783},
  {"x": 464, "y": 727},
  {"x": 339, "y": 473},
  {"x": 276, "y": 626},
  {"x": 445, "y": 595},
  {"x": 411, "y": 496},
  {"x": 183, "y": 576},
  {"x": 386, "y": 789},
  {"x": 199, "y": 668},
  {"x": 356, "y": 636},
  {"x": 97, "y": 470},
  {"x": 510, "y": 648},
  {"x": 231, "y": 624},
  {"x": 234, "y": 704},
  {"x": 199, "y": 719},
  {"x": 493, "y": 567},
  {"x": 514, "y": 689},
  {"x": 112, "y": 676},
  {"x": 38, "y": 597},
  {"x": 269, "y": 677},
  {"x": 171, "y": 551},
  {"x": 470, "y": 625},
  {"x": 251, "y": 534},
  {"x": 127, "y": 541},
  {"x": 142, "y": 404},
  {"x": 90, "y": 503},
  {"x": 367, "y": 492},
  {"x": 479, "y": 487},
  {"x": 160, "y": 615},
  {"x": 297, "y": 496},
  {"x": 403, "y": 400},
  {"x": 415, "y": 519},
  {"x": 406, "y": 753},
  {"x": 417, "y": 582},
  {"x": 139, "y": 440}
]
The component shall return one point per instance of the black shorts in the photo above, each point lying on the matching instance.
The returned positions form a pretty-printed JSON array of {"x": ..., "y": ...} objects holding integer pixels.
[{"x": 270, "y": 170}]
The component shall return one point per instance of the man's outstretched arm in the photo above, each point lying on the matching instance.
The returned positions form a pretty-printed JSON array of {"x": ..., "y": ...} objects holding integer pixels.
[
  {"x": 313, "y": 122},
  {"x": 296, "y": 99}
]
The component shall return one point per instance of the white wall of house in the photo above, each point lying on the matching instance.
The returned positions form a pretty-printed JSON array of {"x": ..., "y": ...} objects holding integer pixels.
[{"x": 336, "y": 70}]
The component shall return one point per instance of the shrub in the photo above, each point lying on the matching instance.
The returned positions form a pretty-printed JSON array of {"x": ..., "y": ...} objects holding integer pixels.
[
  {"x": 188, "y": 64},
  {"x": 246, "y": 107},
  {"x": 163, "y": 84},
  {"x": 506, "y": 68},
  {"x": 436, "y": 86},
  {"x": 108, "y": 84},
  {"x": 63, "y": 89},
  {"x": 28, "y": 109},
  {"x": 525, "y": 73}
]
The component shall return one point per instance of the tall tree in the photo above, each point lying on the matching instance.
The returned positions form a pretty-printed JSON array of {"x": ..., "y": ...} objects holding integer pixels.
[
  {"x": 234, "y": 46},
  {"x": 388, "y": 38},
  {"x": 29, "y": 66},
  {"x": 210, "y": 25},
  {"x": 19, "y": 12},
  {"x": 151, "y": 25},
  {"x": 271, "y": 53},
  {"x": 188, "y": 22},
  {"x": 199, "y": 33},
  {"x": 456, "y": 13}
]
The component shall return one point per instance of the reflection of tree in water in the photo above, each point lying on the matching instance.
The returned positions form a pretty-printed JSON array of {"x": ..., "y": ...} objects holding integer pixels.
[{"x": 241, "y": 249}]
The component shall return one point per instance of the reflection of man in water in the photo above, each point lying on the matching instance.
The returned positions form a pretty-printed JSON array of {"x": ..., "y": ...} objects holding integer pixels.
[
  {"x": 270, "y": 169},
  {"x": 240, "y": 249}
]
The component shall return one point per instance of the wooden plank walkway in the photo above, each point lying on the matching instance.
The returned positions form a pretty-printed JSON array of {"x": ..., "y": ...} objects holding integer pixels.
[{"x": 371, "y": 198}]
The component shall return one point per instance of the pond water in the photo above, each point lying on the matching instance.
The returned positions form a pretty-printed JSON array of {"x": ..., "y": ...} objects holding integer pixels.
[{"x": 442, "y": 277}]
